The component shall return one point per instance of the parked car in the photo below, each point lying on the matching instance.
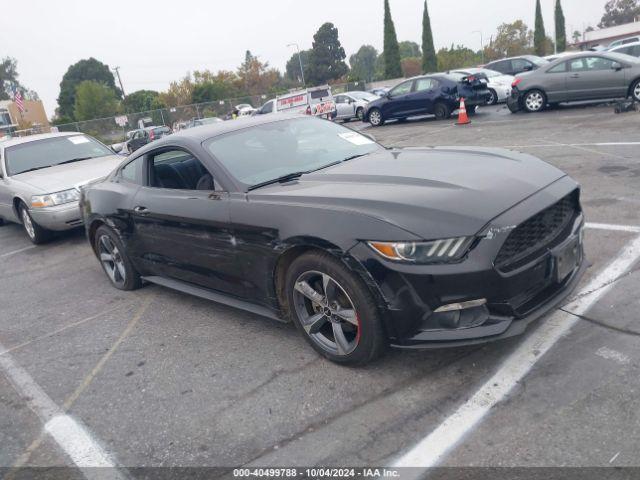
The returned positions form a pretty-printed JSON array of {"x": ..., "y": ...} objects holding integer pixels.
[
  {"x": 624, "y": 41},
  {"x": 516, "y": 65},
  {"x": 358, "y": 245},
  {"x": 41, "y": 177},
  {"x": 498, "y": 84},
  {"x": 352, "y": 105},
  {"x": 438, "y": 94},
  {"x": 317, "y": 101},
  {"x": 381, "y": 91},
  {"x": 142, "y": 136},
  {"x": 198, "y": 122},
  {"x": 632, "y": 49},
  {"x": 555, "y": 56},
  {"x": 584, "y": 76}
]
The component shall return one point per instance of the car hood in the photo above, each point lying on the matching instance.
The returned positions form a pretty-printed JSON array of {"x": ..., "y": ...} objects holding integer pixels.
[
  {"x": 65, "y": 177},
  {"x": 431, "y": 192}
]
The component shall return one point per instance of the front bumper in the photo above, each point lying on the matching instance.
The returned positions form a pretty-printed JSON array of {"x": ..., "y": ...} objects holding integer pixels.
[
  {"x": 513, "y": 101},
  {"x": 58, "y": 218},
  {"x": 410, "y": 295}
]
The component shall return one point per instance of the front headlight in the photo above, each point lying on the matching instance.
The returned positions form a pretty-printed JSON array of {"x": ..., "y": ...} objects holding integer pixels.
[
  {"x": 53, "y": 199},
  {"x": 435, "y": 251}
]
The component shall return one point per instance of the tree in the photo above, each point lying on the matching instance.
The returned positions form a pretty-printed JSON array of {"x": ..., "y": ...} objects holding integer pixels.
[
  {"x": 142, "y": 101},
  {"x": 539, "y": 36},
  {"x": 512, "y": 39},
  {"x": 326, "y": 60},
  {"x": 409, "y": 49},
  {"x": 577, "y": 36},
  {"x": 457, "y": 57},
  {"x": 292, "y": 71},
  {"x": 363, "y": 63},
  {"x": 8, "y": 77},
  {"x": 256, "y": 77},
  {"x": 561, "y": 33},
  {"x": 179, "y": 93},
  {"x": 411, "y": 66},
  {"x": 391, "y": 53},
  {"x": 619, "y": 12},
  {"x": 89, "y": 69},
  {"x": 429, "y": 59},
  {"x": 94, "y": 100}
]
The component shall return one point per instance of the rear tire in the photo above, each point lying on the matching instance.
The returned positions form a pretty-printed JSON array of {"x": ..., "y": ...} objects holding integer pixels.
[
  {"x": 360, "y": 113},
  {"x": 334, "y": 310},
  {"x": 37, "y": 234},
  {"x": 114, "y": 261},
  {"x": 492, "y": 99},
  {"x": 534, "y": 101},
  {"x": 441, "y": 111},
  {"x": 375, "y": 117}
]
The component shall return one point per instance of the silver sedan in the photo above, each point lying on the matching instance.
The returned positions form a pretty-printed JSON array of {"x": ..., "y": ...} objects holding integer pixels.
[{"x": 41, "y": 176}]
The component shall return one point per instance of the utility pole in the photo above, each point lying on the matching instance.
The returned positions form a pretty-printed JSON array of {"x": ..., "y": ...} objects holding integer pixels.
[
  {"x": 299, "y": 60},
  {"x": 117, "y": 70},
  {"x": 481, "y": 44}
]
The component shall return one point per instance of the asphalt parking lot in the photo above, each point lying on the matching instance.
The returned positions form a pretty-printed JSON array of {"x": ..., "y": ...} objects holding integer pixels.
[{"x": 158, "y": 378}]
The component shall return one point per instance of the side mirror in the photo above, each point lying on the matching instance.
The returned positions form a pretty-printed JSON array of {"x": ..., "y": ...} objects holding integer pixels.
[{"x": 616, "y": 66}]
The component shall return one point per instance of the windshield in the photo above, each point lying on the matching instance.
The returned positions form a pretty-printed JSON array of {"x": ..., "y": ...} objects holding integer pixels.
[
  {"x": 52, "y": 151},
  {"x": 266, "y": 152},
  {"x": 537, "y": 60},
  {"x": 369, "y": 97}
]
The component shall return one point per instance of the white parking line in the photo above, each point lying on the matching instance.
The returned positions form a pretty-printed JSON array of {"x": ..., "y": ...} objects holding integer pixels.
[
  {"x": 432, "y": 449},
  {"x": 74, "y": 439},
  {"x": 602, "y": 144},
  {"x": 615, "y": 228},
  {"x": 8, "y": 254}
]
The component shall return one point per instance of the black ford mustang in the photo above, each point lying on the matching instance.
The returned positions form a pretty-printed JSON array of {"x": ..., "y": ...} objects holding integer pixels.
[{"x": 303, "y": 220}]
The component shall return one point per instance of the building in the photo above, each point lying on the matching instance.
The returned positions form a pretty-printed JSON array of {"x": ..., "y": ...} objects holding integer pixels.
[
  {"x": 32, "y": 120},
  {"x": 604, "y": 36}
]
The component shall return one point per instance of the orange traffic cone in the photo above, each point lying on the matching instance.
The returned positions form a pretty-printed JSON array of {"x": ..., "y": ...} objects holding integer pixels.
[{"x": 463, "y": 119}]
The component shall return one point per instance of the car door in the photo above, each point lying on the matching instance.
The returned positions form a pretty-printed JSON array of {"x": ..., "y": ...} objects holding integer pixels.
[
  {"x": 595, "y": 77},
  {"x": 555, "y": 82},
  {"x": 181, "y": 223},
  {"x": 401, "y": 101},
  {"x": 426, "y": 91},
  {"x": 344, "y": 107}
]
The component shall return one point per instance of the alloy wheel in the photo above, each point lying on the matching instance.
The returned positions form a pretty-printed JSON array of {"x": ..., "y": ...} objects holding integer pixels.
[
  {"x": 326, "y": 313},
  {"x": 111, "y": 260},
  {"x": 636, "y": 91},
  {"x": 375, "y": 117},
  {"x": 28, "y": 224},
  {"x": 492, "y": 98},
  {"x": 534, "y": 101},
  {"x": 360, "y": 113}
]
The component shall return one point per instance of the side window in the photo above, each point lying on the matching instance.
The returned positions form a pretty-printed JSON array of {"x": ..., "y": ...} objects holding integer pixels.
[
  {"x": 498, "y": 67},
  {"x": 519, "y": 64},
  {"x": 130, "y": 171},
  {"x": 402, "y": 89},
  {"x": 635, "y": 51},
  {"x": 423, "y": 84},
  {"x": 341, "y": 99},
  {"x": 577, "y": 65},
  {"x": 560, "y": 68},
  {"x": 178, "y": 169},
  {"x": 598, "y": 63},
  {"x": 625, "y": 50},
  {"x": 267, "y": 107}
]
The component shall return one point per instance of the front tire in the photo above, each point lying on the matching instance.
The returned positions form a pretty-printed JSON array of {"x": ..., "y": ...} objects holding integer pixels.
[
  {"x": 360, "y": 114},
  {"x": 492, "y": 99},
  {"x": 334, "y": 310},
  {"x": 114, "y": 260},
  {"x": 375, "y": 117},
  {"x": 37, "y": 234},
  {"x": 635, "y": 90},
  {"x": 441, "y": 111},
  {"x": 534, "y": 101}
]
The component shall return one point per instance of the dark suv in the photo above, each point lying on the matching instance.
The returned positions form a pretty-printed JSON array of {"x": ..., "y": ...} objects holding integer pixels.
[
  {"x": 139, "y": 138},
  {"x": 515, "y": 65},
  {"x": 437, "y": 94}
]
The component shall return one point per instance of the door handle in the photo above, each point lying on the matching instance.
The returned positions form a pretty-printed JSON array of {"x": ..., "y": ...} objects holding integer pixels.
[
  {"x": 141, "y": 210},
  {"x": 575, "y": 75}
]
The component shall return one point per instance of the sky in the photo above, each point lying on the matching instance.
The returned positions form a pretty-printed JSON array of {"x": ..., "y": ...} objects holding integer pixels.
[{"x": 156, "y": 42}]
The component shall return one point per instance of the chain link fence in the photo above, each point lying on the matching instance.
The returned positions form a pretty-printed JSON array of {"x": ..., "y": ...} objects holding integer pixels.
[{"x": 112, "y": 130}]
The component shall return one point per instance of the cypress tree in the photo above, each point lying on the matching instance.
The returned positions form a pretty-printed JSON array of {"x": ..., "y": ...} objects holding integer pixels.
[
  {"x": 429, "y": 59},
  {"x": 561, "y": 34},
  {"x": 391, "y": 54},
  {"x": 539, "y": 35}
]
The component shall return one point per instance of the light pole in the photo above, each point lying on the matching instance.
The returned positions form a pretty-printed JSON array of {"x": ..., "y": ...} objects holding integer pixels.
[
  {"x": 481, "y": 44},
  {"x": 299, "y": 60},
  {"x": 117, "y": 70}
]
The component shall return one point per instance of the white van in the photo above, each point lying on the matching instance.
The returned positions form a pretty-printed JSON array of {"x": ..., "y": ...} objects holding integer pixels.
[{"x": 316, "y": 101}]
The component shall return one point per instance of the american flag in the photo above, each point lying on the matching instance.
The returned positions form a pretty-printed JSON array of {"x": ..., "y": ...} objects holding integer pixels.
[{"x": 17, "y": 98}]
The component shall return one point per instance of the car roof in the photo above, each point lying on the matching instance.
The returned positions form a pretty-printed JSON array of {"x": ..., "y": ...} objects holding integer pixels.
[
  {"x": 624, "y": 45},
  {"x": 528, "y": 57},
  {"x": 11, "y": 141}
]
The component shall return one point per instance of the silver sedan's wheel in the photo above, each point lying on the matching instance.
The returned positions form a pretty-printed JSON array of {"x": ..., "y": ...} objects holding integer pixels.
[
  {"x": 534, "y": 101},
  {"x": 636, "y": 91},
  {"x": 326, "y": 313},
  {"x": 28, "y": 224},
  {"x": 360, "y": 113},
  {"x": 492, "y": 98},
  {"x": 375, "y": 117},
  {"x": 111, "y": 260}
]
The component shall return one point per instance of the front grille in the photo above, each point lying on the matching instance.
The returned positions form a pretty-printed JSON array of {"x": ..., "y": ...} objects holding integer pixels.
[{"x": 537, "y": 233}]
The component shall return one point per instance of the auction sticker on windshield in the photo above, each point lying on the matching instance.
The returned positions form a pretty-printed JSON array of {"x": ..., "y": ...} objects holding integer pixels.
[
  {"x": 355, "y": 138},
  {"x": 78, "y": 140}
]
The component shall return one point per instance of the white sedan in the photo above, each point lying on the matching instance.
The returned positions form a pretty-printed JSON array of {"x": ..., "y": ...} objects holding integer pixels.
[
  {"x": 352, "y": 105},
  {"x": 499, "y": 84}
]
